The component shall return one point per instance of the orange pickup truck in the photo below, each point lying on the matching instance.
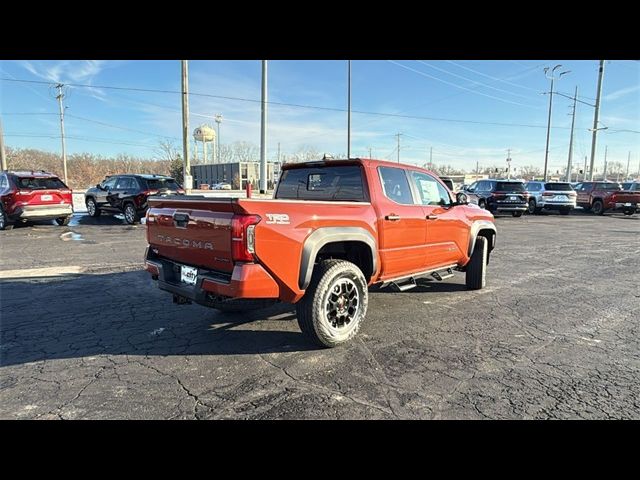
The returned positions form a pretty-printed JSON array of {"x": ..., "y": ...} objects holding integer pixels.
[{"x": 333, "y": 228}]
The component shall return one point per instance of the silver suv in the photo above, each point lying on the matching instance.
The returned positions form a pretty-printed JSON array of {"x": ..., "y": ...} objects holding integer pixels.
[{"x": 551, "y": 196}]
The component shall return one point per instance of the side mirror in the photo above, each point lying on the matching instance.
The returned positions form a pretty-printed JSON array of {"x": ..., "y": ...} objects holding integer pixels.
[
  {"x": 98, "y": 186},
  {"x": 462, "y": 199}
]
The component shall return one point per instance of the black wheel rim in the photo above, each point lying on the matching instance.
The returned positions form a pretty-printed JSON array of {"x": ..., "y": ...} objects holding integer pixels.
[
  {"x": 532, "y": 206},
  {"x": 343, "y": 303}
]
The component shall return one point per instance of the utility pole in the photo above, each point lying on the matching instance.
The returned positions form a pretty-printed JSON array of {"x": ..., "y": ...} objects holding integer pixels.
[
  {"x": 263, "y": 131},
  {"x": 546, "y": 151},
  {"x": 430, "y": 157},
  {"x": 3, "y": 156},
  {"x": 59, "y": 97},
  {"x": 604, "y": 174},
  {"x": 278, "y": 152},
  {"x": 573, "y": 122},
  {"x": 626, "y": 175},
  {"x": 218, "y": 119},
  {"x": 349, "y": 113},
  {"x": 370, "y": 153},
  {"x": 509, "y": 164},
  {"x": 584, "y": 172},
  {"x": 188, "y": 179},
  {"x": 477, "y": 169},
  {"x": 595, "y": 119},
  {"x": 398, "y": 136}
]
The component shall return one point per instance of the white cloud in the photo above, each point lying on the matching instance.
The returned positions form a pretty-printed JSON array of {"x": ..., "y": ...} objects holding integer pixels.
[{"x": 622, "y": 92}]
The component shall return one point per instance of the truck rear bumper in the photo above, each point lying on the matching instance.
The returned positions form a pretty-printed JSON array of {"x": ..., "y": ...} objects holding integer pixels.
[
  {"x": 556, "y": 205},
  {"x": 248, "y": 280},
  {"x": 33, "y": 212}
]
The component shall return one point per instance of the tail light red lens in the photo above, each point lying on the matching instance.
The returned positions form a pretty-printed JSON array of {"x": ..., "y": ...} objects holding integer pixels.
[
  {"x": 498, "y": 195},
  {"x": 548, "y": 194},
  {"x": 242, "y": 237}
]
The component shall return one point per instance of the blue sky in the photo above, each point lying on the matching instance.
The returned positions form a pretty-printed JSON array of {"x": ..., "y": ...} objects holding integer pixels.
[{"x": 506, "y": 91}]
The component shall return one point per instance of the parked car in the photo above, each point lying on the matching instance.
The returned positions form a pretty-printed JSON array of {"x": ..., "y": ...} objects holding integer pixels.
[
  {"x": 223, "y": 186},
  {"x": 631, "y": 186},
  {"x": 128, "y": 194},
  {"x": 551, "y": 196},
  {"x": 33, "y": 195},
  {"x": 600, "y": 197},
  {"x": 499, "y": 196},
  {"x": 362, "y": 222}
]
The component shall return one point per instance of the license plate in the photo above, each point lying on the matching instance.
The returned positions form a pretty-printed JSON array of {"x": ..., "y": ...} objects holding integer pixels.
[
  {"x": 46, "y": 198},
  {"x": 513, "y": 198},
  {"x": 188, "y": 275},
  {"x": 627, "y": 204}
]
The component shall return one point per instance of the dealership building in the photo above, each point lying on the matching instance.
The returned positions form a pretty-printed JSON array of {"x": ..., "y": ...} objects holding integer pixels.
[{"x": 237, "y": 174}]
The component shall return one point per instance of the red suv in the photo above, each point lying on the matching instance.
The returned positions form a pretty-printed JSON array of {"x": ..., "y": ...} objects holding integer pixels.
[{"x": 33, "y": 195}]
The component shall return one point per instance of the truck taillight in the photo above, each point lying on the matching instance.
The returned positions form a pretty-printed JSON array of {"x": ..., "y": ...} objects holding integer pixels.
[{"x": 243, "y": 237}]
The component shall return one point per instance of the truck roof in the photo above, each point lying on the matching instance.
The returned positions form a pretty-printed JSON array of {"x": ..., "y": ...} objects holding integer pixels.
[{"x": 356, "y": 161}]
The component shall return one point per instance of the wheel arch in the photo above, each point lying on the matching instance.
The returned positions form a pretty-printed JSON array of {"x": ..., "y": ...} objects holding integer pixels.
[
  {"x": 354, "y": 244},
  {"x": 482, "y": 228}
]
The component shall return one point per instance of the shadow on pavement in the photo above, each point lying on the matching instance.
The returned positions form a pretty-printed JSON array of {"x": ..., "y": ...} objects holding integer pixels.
[{"x": 83, "y": 315}]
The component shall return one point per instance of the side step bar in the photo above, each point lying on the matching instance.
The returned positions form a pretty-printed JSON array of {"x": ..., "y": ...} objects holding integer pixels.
[{"x": 407, "y": 283}]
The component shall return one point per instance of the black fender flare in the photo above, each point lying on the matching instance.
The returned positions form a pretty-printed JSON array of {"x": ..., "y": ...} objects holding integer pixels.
[
  {"x": 325, "y": 235},
  {"x": 476, "y": 227}
]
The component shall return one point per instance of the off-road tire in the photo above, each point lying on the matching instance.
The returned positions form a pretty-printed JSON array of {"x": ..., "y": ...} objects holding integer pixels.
[
  {"x": 130, "y": 213},
  {"x": 63, "y": 221},
  {"x": 598, "y": 207},
  {"x": 311, "y": 309},
  {"x": 4, "y": 221},
  {"x": 92, "y": 211},
  {"x": 242, "y": 304},
  {"x": 477, "y": 266}
]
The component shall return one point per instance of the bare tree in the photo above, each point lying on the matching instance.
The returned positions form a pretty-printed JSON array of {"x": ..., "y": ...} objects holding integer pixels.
[{"x": 167, "y": 150}]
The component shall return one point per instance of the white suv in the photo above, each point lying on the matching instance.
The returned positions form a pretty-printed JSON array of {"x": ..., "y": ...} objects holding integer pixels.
[{"x": 551, "y": 196}]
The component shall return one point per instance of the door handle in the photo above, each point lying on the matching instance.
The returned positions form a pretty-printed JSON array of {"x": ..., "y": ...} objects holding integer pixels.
[
  {"x": 432, "y": 217},
  {"x": 392, "y": 217}
]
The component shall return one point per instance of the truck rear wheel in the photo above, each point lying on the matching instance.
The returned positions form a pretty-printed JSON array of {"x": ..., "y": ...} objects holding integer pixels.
[
  {"x": 335, "y": 303},
  {"x": 477, "y": 266}
]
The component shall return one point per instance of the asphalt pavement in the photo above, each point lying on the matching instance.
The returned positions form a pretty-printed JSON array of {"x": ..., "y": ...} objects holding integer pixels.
[{"x": 86, "y": 334}]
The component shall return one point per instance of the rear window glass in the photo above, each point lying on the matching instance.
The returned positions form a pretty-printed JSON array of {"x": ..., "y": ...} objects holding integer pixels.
[
  {"x": 608, "y": 186},
  {"x": 510, "y": 187},
  {"x": 160, "y": 183},
  {"x": 322, "y": 183},
  {"x": 31, "y": 183},
  {"x": 558, "y": 186}
]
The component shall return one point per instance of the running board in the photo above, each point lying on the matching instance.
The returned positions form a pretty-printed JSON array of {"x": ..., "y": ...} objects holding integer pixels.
[{"x": 403, "y": 284}]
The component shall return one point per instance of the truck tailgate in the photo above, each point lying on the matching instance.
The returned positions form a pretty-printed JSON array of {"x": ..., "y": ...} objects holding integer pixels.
[{"x": 191, "y": 231}]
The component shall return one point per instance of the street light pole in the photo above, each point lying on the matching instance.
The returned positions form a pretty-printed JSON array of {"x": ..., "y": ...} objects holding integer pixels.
[
  {"x": 552, "y": 78},
  {"x": 218, "y": 119},
  {"x": 573, "y": 122},
  {"x": 349, "y": 114},
  {"x": 595, "y": 119},
  {"x": 59, "y": 97},
  {"x": 188, "y": 185},
  {"x": 263, "y": 131}
]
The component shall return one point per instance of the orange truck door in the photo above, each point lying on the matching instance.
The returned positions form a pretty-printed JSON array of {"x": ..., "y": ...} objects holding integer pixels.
[
  {"x": 401, "y": 224},
  {"x": 446, "y": 232}
]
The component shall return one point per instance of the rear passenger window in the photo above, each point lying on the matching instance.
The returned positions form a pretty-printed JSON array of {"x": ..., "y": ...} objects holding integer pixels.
[
  {"x": 3, "y": 181},
  {"x": 395, "y": 185}
]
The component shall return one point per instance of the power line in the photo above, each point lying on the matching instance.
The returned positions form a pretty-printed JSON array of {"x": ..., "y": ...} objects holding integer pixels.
[
  {"x": 317, "y": 107},
  {"x": 493, "y": 78},
  {"x": 473, "y": 81},
  {"x": 120, "y": 127},
  {"x": 457, "y": 86}
]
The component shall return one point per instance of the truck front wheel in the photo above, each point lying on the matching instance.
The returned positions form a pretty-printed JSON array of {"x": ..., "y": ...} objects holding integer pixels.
[
  {"x": 477, "y": 266},
  {"x": 335, "y": 303}
]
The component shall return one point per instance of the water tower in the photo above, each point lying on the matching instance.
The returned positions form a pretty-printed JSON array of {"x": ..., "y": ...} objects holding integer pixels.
[{"x": 204, "y": 134}]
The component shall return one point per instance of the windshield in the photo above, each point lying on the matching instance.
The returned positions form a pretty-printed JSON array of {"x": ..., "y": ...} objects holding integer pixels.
[
  {"x": 558, "y": 187},
  {"x": 343, "y": 182},
  {"x": 510, "y": 187},
  {"x": 46, "y": 183},
  {"x": 161, "y": 183}
]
